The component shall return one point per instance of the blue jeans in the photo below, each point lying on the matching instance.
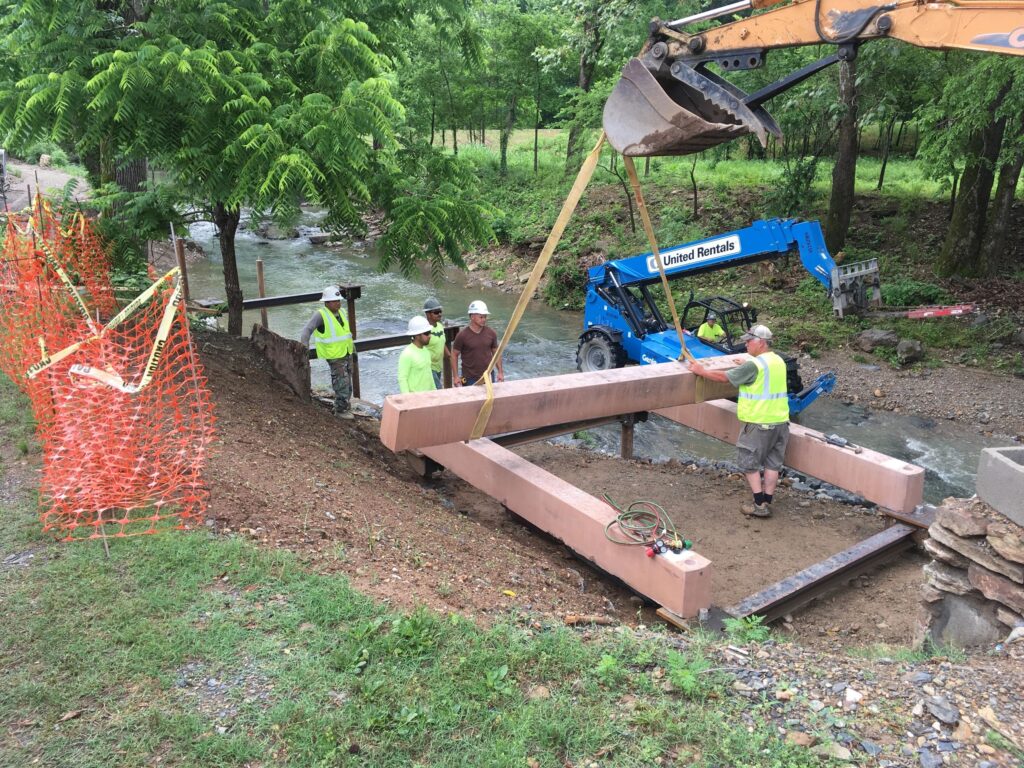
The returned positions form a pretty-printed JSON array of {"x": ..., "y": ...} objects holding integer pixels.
[
  {"x": 438, "y": 380},
  {"x": 470, "y": 382}
]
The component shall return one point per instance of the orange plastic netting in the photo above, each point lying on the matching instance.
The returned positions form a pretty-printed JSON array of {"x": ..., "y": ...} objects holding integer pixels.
[{"x": 123, "y": 413}]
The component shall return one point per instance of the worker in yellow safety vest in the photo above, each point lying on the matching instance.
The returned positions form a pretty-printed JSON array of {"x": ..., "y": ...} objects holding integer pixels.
[
  {"x": 710, "y": 331},
  {"x": 332, "y": 339},
  {"x": 763, "y": 409}
]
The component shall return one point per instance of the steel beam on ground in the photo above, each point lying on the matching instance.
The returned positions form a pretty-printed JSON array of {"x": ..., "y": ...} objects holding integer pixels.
[
  {"x": 543, "y": 433},
  {"x": 445, "y": 416},
  {"x": 801, "y": 588},
  {"x": 881, "y": 479},
  {"x": 681, "y": 583}
]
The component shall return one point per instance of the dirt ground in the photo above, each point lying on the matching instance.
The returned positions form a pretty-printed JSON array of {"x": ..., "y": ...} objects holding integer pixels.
[{"x": 288, "y": 474}]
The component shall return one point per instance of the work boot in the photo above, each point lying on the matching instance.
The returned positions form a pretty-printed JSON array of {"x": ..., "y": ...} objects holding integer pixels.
[
  {"x": 762, "y": 510},
  {"x": 346, "y": 414}
]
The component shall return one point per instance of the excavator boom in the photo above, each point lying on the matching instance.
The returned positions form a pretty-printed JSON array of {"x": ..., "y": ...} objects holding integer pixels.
[{"x": 667, "y": 101}]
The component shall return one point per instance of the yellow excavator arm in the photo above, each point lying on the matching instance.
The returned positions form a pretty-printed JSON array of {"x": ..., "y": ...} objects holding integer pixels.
[{"x": 668, "y": 102}]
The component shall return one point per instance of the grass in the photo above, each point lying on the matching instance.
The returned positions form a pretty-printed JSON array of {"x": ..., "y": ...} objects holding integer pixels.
[
  {"x": 197, "y": 650},
  {"x": 910, "y": 655}
]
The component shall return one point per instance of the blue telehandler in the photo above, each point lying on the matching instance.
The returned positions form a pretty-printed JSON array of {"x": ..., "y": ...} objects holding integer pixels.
[{"x": 623, "y": 324}]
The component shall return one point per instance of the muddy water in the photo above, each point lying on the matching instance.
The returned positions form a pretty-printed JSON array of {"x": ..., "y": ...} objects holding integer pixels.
[{"x": 544, "y": 344}]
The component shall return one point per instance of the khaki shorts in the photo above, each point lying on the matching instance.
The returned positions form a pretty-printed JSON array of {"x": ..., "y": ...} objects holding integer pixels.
[{"x": 762, "y": 446}]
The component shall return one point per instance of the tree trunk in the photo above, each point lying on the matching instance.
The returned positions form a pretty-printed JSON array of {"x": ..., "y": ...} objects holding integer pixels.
[
  {"x": 506, "y": 133},
  {"x": 999, "y": 216},
  {"x": 886, "y": 149},
  {"x": 131, "y": 175},
  {"x": 961, "y": 252},
  {"x": 588, "y": 62},
  {"x": 536, "y": 121},
  {"x": 226, "y": 221},
  {"x": 840, "y": 205},
  {"x": 433, "y": 119}
]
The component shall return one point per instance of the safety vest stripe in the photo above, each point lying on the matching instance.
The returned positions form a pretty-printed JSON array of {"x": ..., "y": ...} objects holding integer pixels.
[{"x": 766, "y": 393}]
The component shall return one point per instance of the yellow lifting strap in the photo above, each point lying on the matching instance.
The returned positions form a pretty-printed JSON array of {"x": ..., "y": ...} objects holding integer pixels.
[
  {"x": 649, "y": 230},
  {"x": 578, "y": 187}
]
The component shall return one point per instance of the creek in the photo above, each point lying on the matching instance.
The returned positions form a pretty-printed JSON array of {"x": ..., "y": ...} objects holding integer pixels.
[{"x": 544, "y": 344}]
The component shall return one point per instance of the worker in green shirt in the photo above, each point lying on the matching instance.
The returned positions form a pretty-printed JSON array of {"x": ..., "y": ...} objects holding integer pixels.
[
  {"x": 438, "y": 347},
  {"x": 414, "y": 373},
  {"x": 710, "y": 331}
]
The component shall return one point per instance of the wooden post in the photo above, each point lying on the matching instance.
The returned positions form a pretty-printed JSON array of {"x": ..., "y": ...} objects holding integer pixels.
[
  {"x": 628, "y": 423},
  {"x": 262, "y": 286},
  {"x": 350, "y": 301},
  {"x": 449, "y": 336},
  {"x": 179, "y": 252}
]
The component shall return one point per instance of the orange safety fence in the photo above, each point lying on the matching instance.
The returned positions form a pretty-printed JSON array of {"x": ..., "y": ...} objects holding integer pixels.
[{"x": 123, "y": 413}]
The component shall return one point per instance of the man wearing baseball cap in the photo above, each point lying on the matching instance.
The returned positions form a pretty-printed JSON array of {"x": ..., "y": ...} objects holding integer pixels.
[
  {"x": 438, "y": 347},
  {"x": 476, "y": 345},
  {"x": 763, "y": 409},
  {"x": 332, "y": 338}
]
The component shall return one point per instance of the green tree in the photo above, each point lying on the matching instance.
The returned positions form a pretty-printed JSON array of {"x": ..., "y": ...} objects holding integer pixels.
[{"x": 259, "y": 104}]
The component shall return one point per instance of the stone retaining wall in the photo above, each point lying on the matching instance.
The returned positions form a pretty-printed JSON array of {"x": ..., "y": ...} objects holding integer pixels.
[{"x": 974, "y": 585}]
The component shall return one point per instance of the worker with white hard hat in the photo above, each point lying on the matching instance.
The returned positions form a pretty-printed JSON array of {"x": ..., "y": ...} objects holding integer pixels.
[
  {"x": 476, "y": 345},
  {"x": 332, "y": 339},
  {"x": 414, "y": 373},
  {"x": 438, "y": 346}
]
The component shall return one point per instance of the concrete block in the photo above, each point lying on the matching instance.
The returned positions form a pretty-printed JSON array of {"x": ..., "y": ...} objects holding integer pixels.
[
  {"x": 1000, "y": 481},
  {"x": 881, "y": 479},
  {"x": 681, "y": 583}
]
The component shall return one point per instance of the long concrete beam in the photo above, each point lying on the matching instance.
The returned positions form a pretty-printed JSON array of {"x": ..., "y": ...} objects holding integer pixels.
[
  {"x": 681, "y": 583},
  {"x": 446, "y": 416},
  {"x": 888, "y": 482}
]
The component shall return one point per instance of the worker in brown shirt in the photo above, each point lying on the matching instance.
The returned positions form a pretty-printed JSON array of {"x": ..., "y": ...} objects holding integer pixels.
[{"x": 475, "y": 345}]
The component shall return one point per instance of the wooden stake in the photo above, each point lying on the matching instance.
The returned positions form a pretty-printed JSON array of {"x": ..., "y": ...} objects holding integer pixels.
[
  {"x": 627, "y": 437},
  {"x": 351, "y": 306},
  {"x": 179, "y": 252},
  {"x": 261, "y": 285}
]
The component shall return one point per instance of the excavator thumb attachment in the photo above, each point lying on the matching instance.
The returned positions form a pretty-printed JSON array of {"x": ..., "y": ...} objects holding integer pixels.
[{"x": 686, "y": 112}]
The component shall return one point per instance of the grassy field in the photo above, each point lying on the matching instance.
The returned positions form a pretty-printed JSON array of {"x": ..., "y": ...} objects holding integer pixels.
[{"x": 192, "y": 649}]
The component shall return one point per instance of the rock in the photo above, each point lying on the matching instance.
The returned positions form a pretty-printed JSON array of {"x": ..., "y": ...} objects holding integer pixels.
[
  {"x": 1010, "y": 619},
  {"x": 947, "y": 579},
  {"x": 943, "y": 710},
  {"x": 909, "y": 351},
  {"x": 1007, "y": 539},
  {"x": 538, "y": 692},
  {"x": 524, "y": 278},
  {"x": 930, "y": 759},
  {"x": 962, "y": 732},
  {"x": 271, "y": 231},
  {"x": 995, "y": 587},
  {"x": 944, "y": 554},
  {"x": 45, "y": 161},
  {"x": 879, "y": 393},
  {"x": 963, "y": 621},
  {"x": 919, "y": 678},
  {"x": 832, "y": 750},
  {"x": 961, "y": 519},
  {"x": 984, "y": 417},
  {"x": 875, "y": 337},
  {"x": 978, "y": 551},
  {"x": 801, "y": 739},
  {"x": 816, "y": 705}
]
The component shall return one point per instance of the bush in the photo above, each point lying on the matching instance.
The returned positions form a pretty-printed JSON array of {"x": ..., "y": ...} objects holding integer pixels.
[
  {"x": 58, "y": 157},
  {"x": 911, "y": 293}
]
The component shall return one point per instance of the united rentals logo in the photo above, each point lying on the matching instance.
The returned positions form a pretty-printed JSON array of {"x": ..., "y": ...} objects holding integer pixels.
[{"x": 694, "y": 254}]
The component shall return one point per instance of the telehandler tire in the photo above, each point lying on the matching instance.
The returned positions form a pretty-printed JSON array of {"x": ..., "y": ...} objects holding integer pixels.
[{"x": 597, "y": 352}]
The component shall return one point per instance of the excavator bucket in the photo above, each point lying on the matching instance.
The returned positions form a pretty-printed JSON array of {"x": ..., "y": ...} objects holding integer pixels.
[{"x": 687, "y": 112}]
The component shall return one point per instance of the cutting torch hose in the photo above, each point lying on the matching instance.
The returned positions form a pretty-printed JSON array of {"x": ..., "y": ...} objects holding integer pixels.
[{"x": 641, "y": 523}]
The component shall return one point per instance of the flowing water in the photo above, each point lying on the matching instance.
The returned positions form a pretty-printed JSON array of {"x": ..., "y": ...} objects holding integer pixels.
[{"x": 544, "y": 344}]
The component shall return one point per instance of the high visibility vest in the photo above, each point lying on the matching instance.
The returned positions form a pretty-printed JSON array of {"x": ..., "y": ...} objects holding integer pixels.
[
  {"x": 335, "y": 340},
  {"x": 765, "y": 401}
]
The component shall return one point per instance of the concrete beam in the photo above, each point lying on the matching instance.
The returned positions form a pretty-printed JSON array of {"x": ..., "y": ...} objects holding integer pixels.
[
  {"x": 888, "y": 482},
  {"x": 681, "y": 583},
  {"x": 446, "y": 416}
]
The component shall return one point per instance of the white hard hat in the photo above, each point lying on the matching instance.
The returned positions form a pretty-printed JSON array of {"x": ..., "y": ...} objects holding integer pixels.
[
  {"x": 477, "y": 308},
  {"x": 418, "y": 325},
  {"x": 331, "y": 293}
]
